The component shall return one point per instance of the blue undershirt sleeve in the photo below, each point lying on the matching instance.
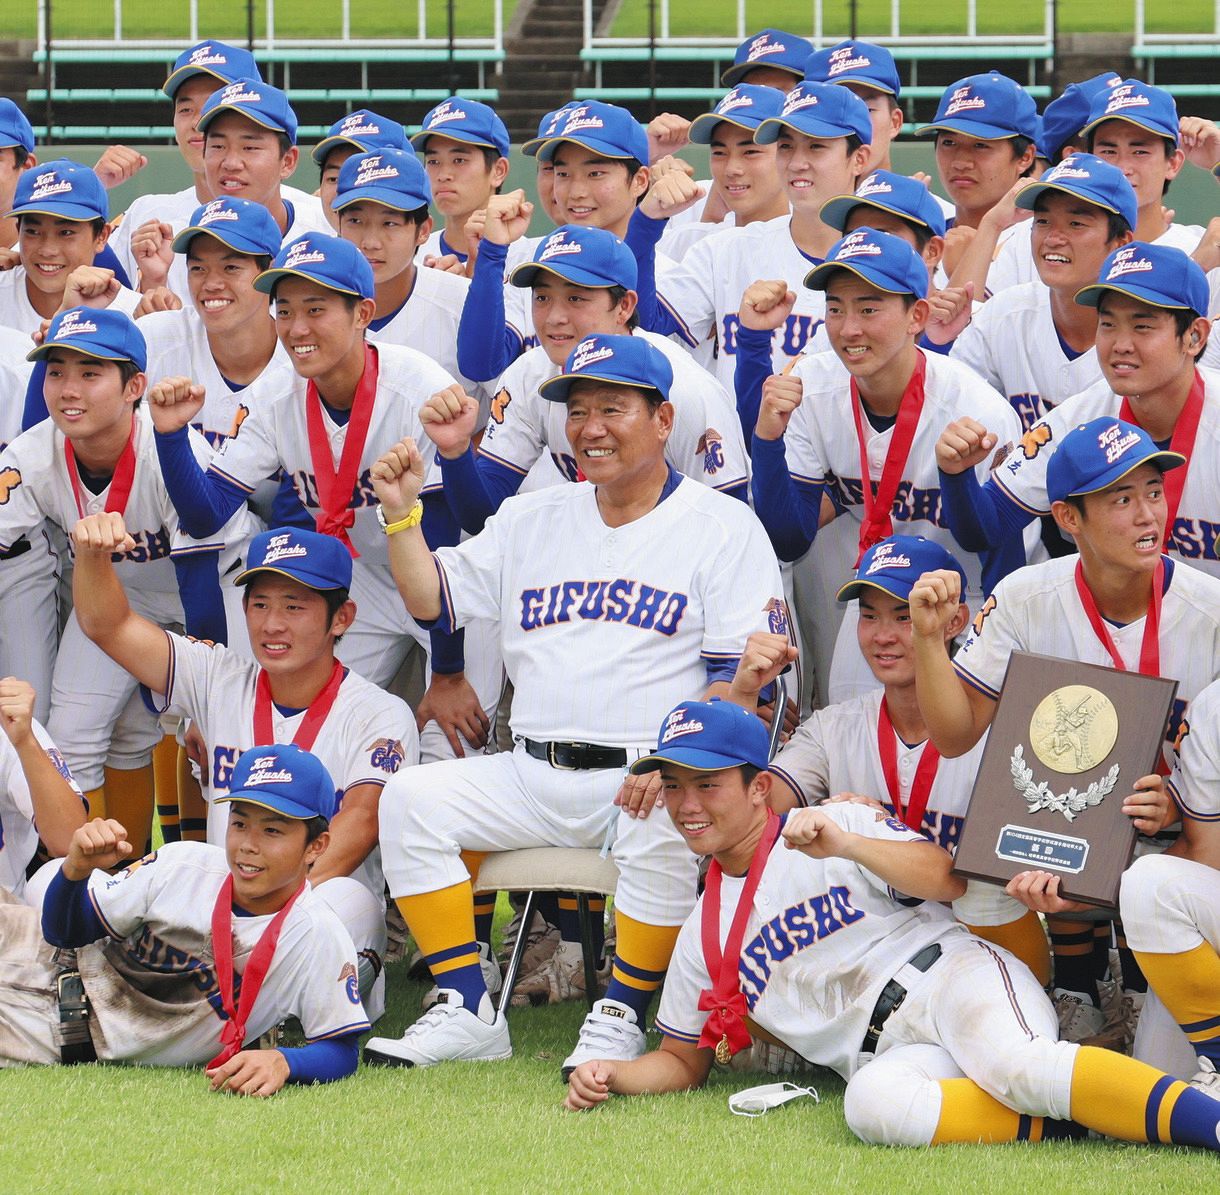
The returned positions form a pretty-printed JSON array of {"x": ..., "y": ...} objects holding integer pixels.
[
  {"x": 204, "y": 501},
  {"x": 287, "y": 510},
  {"x": 486, "y": 345},
  {"x": 788, "y": 510},
  {"x": 932, "y": 347},
  {"x": 323, "y": 1061},
  {"x": 475, "y": 486},
  {"x": 108, "y": 259},
  {"x": 203, "y": 606},
  {"x": 980, "y": 516},
  {"x": 68, "y": 916},
  {"x": 643, "y": 233},
  {"x": 752, "y": 369},
  {"x": 35, "y": 402}
]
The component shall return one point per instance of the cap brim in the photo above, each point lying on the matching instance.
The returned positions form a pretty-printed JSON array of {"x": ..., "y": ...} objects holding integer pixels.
[
  {"x": 686, "y": 757},
  {"x": 1155, "y": 130},
  {"x": 773, "y": 127},
  {"x": 1028, "y": 196},
  {"x": 266, "y": 281},
  {"x": 603, "y": 149},
  {"x": 527, "y": 272},
  {"x": 44, "y": 349},
  {"x": 67, "y": 211},
  {"x": 971, "y": 128},
  {"x": 702, "y": 126},
  {"x": 1090, "y": 296},
  {"x": 395, "y": 200},
  {"x": 180, "y": 76},
  {"x": 246, "y": 574},
  {"x": 531, "y": 147},
  {"x": 557, "y": 389},
  {"x": 323, "y": 148},
  {"x": 418, "y": 140},
  {"x": 853, "y": 588},
  {"x": 864, "y": 81},
  {"x": 828, "y": 267},
  {"x": 738, "y": 71},
  {"x": 1163, "y": 457},
  {"x": 238, "y": 244},
  {"x": 839, "y": 208},
  {"x": 280, "y": 805}
]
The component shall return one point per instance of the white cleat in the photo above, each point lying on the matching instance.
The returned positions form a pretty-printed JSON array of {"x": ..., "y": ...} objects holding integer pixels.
[
  {"x": 610, "y": 1031},
  {"x": 1079, "y": 1019},
  {"x": 447, "y": 1032},
  {"x": 1207, "y": 1079}
]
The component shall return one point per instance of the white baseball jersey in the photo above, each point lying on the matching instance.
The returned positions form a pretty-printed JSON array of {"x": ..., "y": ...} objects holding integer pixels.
[
  {"x": 178, "y": 347},
  {"x": 18, "y": 833},
  {"x": 1013, "y": 345},
  {"x": 705, "y": 291},
  {"x": 706, "y": 442},
  {"x": 16, "y": 310},
  {"x": 835, "y": 751},
  {"x": 152, "y": 987},
  {"x": 824, "y": 936},
  {"x": 588, "y": 613},
  {"x": 366, "y": 737},
  {"x": 1013, "y": 263},
  {"x": 1037, "y": 609},
  {"x": 688, "y": 228},
  {"x": 1195, "y": 536},
  {"x": 821, "y": 444},
  {"x": 35, "y": 485},
  {"x": 1195, "y": 783},
  {"x": 15, "y": 373}
]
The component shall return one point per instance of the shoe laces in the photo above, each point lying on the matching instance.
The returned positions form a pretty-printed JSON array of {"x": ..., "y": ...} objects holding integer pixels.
[{"x": 599, "y": 1029}]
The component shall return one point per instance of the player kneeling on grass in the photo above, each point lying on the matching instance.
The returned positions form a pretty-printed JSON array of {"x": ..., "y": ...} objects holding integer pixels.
[
  {"x": 835, "y": 943},
  {"x": 175, "y": 929}
]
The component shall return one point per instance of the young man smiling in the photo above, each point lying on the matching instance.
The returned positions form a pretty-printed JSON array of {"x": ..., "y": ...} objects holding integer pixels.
[
  {"x": 169, "y": 929},
  {"x": 835, "y": 943}
]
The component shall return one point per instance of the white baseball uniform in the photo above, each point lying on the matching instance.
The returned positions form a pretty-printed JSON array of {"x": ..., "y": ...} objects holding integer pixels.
[
  {"x": 152, "y": 987},
  {"x": 16, "y": 310},
  {"x": 603, "y": 630},
  {"x": 89, "y": 690},
  {"x": 688, "y": 228},
  {"x": 1196, "y": 529},
  {"x": 823, "y": 938},
  {"x": 1013, "y": 344},
  {"x": 706, "y": 442}
]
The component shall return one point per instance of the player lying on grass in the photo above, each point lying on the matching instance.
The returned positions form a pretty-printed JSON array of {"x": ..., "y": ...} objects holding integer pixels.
[
  {"x": 825, "y": 929},
  {"x": 158, "y": 947}
]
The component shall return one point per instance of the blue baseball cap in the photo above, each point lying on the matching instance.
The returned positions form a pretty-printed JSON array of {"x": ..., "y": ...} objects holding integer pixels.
[
  {"x": 393, "y": 177},
  {"x": 859, "y": 62},
  {"x": 1096, "y": 454},
  {"x": 224, "y": 63},
  {"x": 619, "y": 360},
  {"x": 991, "y": 107},
  {"x": 97, "y": 332},
  {"x": 1155, "y": 274},
  {"x": 604, "y": 129},
  {"x": 257, "y": 101},
  {"x": 706, "y": 736},
  {"x": 1064, "y": 118},
  {"x": 819, "y": 110},
  {"x": 548, "y": 126},
  {"x": 746, "y": 106},
  {"x": 771, "y": 48},
  {"x": 331, "y": 262},
  {"x": 317, "y": 561},
  {"x": 61, "y": 188},
  {"x": 15, "y": 128},
  {"x": 894, "y": 564},
  {"x": 285, "y": 779},
  {"x": 1088, "y": 178},
  {"x": 363, "y": 131},
  {"x": 885, "y": 261},
  {"x": 1137, "y": 103},
  {"x": 583, "y": 256},
  {"x": 886, "y": 191},
  {"x": 244, "y": 226},
  {"x": 467, "y": 121}
]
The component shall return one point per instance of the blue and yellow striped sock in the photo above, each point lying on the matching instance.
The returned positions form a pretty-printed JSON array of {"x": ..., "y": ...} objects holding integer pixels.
[
  {"x": 442, "y": 924},
  {"x": 639, "y": 963},
  {"x": 1188, "y": 984},
  {"x": 969, "y": 1115}
]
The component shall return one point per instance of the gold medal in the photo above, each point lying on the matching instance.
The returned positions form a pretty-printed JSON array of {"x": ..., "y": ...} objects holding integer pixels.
[
  {"x": 723, "y": 1053},
  {"x": 1073, "y": 729}
]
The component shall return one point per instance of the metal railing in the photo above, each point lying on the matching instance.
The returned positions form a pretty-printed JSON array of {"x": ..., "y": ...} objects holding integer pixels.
[{"x": 1145, "y": 38}]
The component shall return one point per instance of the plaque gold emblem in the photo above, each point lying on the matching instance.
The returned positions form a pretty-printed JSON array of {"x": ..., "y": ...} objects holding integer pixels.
[{"x": 1073, "y": 729}]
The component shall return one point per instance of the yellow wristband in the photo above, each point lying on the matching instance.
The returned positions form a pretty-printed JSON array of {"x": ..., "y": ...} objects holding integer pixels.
[{"x": 412, "y": 520}]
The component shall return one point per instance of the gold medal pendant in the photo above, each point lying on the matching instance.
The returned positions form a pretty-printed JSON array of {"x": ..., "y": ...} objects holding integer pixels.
[{"x": 723, "y": 1053}]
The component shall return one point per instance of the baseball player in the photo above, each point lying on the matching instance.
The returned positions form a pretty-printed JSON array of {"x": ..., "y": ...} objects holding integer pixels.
[
  {"x": 39, "y": 800},
  {"x": 96, "y": 453},
  {"x": 358, "y": 132},
  {"x": 652, "y": 618},
  {"x": 196, "y": 73},
  {"x": 544, "y": 181},
  {"x": 821, "y": 138},
  {"x": 877, "y": 403},
  {"x": 1120, "y": 603},
  {"x": 582, "y": 282},
  {"x": 801, "y": 927},
  {"x": 1152, "y": 303},
  {"x": 171, "y": 930},
  {"x": 16, "y": 156},
  {"x": 769, "y": 58},
  {"x": 347, "y": 400},
  {"x": 465, "y": 150},
  {"x": 295, "y": 603}
]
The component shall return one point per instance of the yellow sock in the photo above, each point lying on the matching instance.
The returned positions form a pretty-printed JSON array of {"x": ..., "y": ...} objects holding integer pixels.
[
  {"x": 1188, "y": 984},
  {"x": 192, "y": 808},
  {"x": 642, "y": 953},
  {"x": 165, "y": 784},
  {"x": 473, "y": 860},
  {"x": 1025, "y": 938},
  {"x": 1122, "y": 1098},
  {"x": 442, "y": 924},
  {"x": 129, "y": 800},
  {"x": 97, "y": 802},
  {"x": 969, "y": 1114}
]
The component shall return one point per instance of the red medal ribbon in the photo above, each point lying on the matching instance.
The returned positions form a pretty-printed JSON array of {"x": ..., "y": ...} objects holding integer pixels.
[
  {"x": 233, "y": 1032},
  {"x": 335, "y": 487},
  {"x": 725, "y": 1029},
  {"x": 1185, "y": 430},
  {"x": 1150, "y": 647},
  {"x": 877, "y": 508},
  {"x": 315, "y": 715},
  {"x": 120, "y": 483},
  {"x": 925, "y": 772}
]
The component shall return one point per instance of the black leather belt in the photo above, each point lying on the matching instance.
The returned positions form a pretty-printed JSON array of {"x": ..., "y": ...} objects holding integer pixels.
[
  {"x": 72, "y": 1032},
  {"x": 892, "y": 996},
  {"x": 576, "y": 757},
  {"x": 20, "y": 548}
]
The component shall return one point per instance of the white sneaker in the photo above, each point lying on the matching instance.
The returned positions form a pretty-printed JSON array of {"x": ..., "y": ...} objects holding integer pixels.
[
  {"x": 1207, "y": 1078},
  {"x": 1078, "y": 1018},
  {"x": 491, "y": 977},
  {"x": 447, "y": 1032},
  {"x": 541, "y": 942},
  {"x": 610, "y": 1030}
]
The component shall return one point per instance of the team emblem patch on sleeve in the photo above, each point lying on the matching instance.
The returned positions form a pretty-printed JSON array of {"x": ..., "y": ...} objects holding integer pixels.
[
  {"x": 387, "y": 754},
  {"x": 10, "y": 479},
  {"x": 981, "y": 617},
  {"x": 711, "y": 445},
  {"x": 777, "y": 616},
  {"x": 1001, "y": 455},
  {"x": 1034, "y": 440},
  {"x": 499, "y": 405},
  {"x": 239, "y": 417},
  {"x": 351, "y": 982},
  {"x": 61, "y": 764}
]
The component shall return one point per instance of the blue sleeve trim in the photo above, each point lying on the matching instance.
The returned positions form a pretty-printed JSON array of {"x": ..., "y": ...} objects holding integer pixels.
[
  {"x": 324, "y": 1060},
  {"x": 677, "y": 1034},
  {"x": 792, "y": 783},
  {"x": 975, "y": 683},
  {"x": 69, "y": 917},
  {"x": 643, "y": 233}
]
